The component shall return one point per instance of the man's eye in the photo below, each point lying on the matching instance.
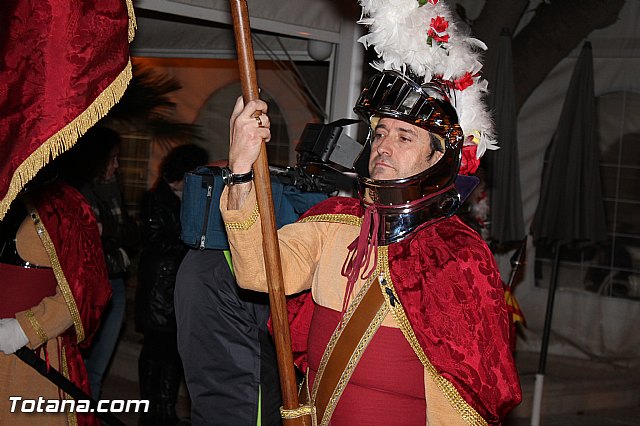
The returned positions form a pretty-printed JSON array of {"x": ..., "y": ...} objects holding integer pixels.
[{"x": 405, "y": 139}]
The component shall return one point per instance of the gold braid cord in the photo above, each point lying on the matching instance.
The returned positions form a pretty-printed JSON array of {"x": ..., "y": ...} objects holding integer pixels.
[
  {"x": 345, "y": 219},
  {"x": 57, "y": 271},
  {"x": 355, "y": 356},
  {"x": 303, "y": 410},
  {"x": 37, "y": 327},
  {"x": 245, "y": 225},
  {"x": 466, "y": 411},
  {"x": 133, "y": 24}
]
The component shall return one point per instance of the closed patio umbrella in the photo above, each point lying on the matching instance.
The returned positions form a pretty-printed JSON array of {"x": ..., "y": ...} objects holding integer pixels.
[
  {"x": 571, "y": 209},
  {"x": 507, "y": 223}
]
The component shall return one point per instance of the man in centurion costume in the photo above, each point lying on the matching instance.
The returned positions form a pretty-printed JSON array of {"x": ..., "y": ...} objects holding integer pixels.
[{"x": 406, "y": 321}]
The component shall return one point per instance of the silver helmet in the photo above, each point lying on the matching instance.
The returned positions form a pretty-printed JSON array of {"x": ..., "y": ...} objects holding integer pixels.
[{"x": 408, "y": 203}]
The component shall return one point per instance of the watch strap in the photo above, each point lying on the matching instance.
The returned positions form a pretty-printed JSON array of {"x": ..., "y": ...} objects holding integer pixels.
[{"x": 230, "y": 178}]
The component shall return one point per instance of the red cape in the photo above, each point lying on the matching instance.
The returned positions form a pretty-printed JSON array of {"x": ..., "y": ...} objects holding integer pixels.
[
  {"x": 450, "y": 288},
  {"x": 80, "y": 270}
]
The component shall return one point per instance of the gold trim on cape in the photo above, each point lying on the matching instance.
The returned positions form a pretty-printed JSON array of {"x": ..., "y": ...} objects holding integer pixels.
[
  {"x": 345, "y": 219},
  {"x": 57, "y": 271},
  {"x": 466, "y": 411},
  {"x": 133, "y": 23}
]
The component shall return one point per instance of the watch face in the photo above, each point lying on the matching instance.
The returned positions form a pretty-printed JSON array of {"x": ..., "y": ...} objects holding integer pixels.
[{"x": 226, "y": 175}]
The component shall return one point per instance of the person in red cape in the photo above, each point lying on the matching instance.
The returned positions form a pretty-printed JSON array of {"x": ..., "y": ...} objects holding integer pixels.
[
  {"x": 64, "y": 65},
  {"x": 54, "y": 290},
  {"x": 405, "y": 322}
]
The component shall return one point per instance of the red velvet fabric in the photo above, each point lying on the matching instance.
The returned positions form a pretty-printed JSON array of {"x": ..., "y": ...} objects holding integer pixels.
[
  {"x": 383, "y": 390},
  {"x": 72, "y": 226},
  {"x": 23, "y": 288},
  {"x": 57, "y": 56},
  {"x": 73, "y": 229},
  {"x": 449, "y": 285}
]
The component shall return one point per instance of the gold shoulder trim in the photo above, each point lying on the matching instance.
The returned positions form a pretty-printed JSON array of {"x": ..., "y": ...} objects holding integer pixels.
[
  {"x": 346, "y": 219},
  {"x": 66, "y": 137},
  {"x": 58, "y": 272},
  {"x": 37, "y": 327},
  {"x": 466, "y": 411},
  {"x": 243, "y": 226}
]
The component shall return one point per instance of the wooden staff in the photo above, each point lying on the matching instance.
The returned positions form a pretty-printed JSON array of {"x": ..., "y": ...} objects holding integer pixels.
[{"x": 262, "y": 184}]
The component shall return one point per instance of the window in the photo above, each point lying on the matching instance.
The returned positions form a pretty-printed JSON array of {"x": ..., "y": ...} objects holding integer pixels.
[{"x": 134, "y": 158}]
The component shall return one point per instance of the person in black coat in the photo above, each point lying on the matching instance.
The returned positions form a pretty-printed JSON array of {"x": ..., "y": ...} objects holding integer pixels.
[{"x": 159, "y": 365}]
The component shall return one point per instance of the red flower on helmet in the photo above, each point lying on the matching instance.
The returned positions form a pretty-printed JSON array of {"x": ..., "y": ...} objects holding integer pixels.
[
  {"x": 463, "y": 82},
  {"x": 469, "y": 163},
  {"x": 434, "y": 36},
  {"x": 439, "y": 24}
]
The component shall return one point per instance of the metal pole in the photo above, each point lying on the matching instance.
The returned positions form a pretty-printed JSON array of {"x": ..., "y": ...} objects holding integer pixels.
[{"x": 542, "y": 361}]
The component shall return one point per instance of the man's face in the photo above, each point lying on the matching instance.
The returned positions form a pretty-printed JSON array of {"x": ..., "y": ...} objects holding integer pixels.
[{"x": 400, "y": 150}]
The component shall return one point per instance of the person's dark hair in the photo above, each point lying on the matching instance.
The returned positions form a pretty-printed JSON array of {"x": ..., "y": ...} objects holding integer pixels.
[
  {"x": 89, "y": 157},
  {"x": 182, "y": 159}
]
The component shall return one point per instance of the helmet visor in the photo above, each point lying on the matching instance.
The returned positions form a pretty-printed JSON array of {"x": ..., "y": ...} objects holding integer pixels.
[{"x": 391, "y": 94}]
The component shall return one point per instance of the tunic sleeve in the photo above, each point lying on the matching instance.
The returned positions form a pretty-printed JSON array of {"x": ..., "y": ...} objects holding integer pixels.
[
  {"x": 300, "y": 247},
  {"x": 439, "y": 409},
  {"x": 45, "y": 321}
]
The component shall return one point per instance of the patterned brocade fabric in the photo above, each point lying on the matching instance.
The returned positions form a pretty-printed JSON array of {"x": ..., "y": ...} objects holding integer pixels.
[
  {"x": 64, "y": 65},
  {"x": 450, "y": 289},
  {"x": 80, "y": 269}
]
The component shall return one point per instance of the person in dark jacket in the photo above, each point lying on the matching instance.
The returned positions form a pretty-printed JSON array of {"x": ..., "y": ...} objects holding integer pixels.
[
  {"x": 92, "y": 168},
  {"x": 159, "y": 365}
]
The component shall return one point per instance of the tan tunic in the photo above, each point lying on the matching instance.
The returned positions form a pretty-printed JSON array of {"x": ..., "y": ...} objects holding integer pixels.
[
  {"x": 52, "y": 316},
  {"x": 312, "y": 255}
]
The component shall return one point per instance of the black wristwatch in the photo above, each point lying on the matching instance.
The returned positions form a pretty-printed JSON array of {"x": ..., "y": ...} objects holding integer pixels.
[{"x": 230, "y": 178}]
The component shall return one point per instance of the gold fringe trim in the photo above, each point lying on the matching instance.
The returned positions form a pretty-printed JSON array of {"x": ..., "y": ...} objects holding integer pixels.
[
  {"x": 133, "y": 24},
  {"x": 37, "y": 327},
  {"x": 246, "y": 224},
  {"x": 66, "y": 137},
  {"x": 466, "y": 411},
  {"x": 345, "y": 219},
  {"x": 57, "y": 271}
]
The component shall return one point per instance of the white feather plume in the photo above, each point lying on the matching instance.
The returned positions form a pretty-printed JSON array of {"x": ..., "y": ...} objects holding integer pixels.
[{"x": 399, "y": 34}]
